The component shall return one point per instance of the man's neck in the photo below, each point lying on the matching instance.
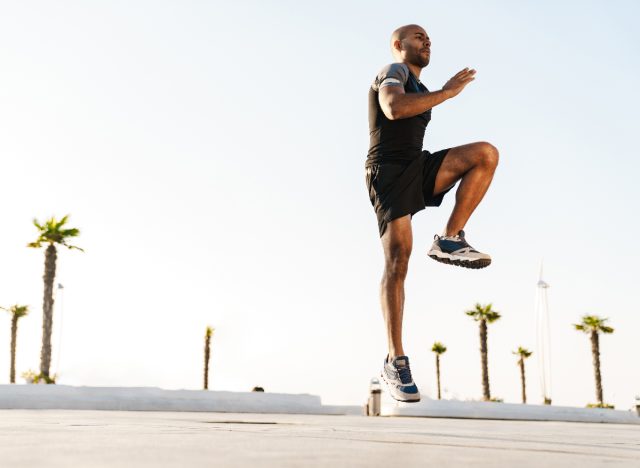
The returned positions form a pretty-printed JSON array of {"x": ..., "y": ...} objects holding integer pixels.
[{"x": 414, "y": 69}]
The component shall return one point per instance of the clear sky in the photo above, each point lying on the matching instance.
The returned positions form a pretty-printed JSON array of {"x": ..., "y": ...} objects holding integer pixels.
[{"x": 212, "y": 153}]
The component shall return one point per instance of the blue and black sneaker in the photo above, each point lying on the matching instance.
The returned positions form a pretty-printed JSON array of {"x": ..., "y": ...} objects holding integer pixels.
[
  {"x": 397, "y": 376},
  {"x": 454, "y": 250}
]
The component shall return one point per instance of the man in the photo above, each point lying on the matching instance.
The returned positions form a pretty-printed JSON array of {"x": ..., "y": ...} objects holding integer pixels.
[{"x": 402, "y": 179}]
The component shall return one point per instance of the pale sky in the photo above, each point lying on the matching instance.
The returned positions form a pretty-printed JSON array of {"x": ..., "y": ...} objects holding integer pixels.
[{"x": 212, "y": 155}]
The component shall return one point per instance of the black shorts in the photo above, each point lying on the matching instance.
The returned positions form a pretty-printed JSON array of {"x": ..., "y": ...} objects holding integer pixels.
[{"x": 398, "y": 189}]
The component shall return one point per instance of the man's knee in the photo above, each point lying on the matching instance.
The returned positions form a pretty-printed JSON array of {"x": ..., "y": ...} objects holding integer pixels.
[
  {"x": 488, "y": 155},
  {"x": 397, "y": 261}
]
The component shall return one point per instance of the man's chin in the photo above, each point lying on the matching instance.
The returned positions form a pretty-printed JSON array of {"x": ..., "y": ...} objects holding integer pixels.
[{"x": 421, "y": 61}]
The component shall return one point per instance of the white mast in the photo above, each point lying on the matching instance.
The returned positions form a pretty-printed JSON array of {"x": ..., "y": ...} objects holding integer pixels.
[{"x": 543, "y": 338}]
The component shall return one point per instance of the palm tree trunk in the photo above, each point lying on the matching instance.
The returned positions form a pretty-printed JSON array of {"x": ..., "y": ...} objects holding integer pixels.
[
  {"x": 522, "y": 380},
  {"x": 438, "y": 373},
  {"x": 595, "y": 350},
  {"x": 207, "y": 352},
  {"x": 486, "y": 393},
  {"x": 14, "y": 336},
  {"x": 50, "y": 257}
]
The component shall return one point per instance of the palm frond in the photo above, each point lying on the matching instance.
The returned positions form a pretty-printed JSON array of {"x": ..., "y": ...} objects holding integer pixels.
[
  {"x": 72, "y": 247},
  {"x": 593, "y": 323},
  {"x": 70, "y": 232},
  {"x": 52, "y": 232},
  {"x": 484, "y": 312},
  {"x": 523, "y": 352},
  {"x": 17, "y": 310},
  {"x": 492, "y": 316},
  {"x": 438, "y": 348}
]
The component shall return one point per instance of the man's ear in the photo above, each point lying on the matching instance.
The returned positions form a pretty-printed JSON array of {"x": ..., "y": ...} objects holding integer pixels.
[{"x": 397, "y": 45}]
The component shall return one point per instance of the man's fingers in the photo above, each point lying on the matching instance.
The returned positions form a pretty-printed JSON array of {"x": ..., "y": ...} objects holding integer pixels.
[
  {"x": 464, "y": 73},
  {"x": 468, "y": 73},
  {"x": 461, "y": 79},
  {"x": 466, "y": 82},
  {"x": 461, "y": 83},
  {"x": 465, "y": 70}
]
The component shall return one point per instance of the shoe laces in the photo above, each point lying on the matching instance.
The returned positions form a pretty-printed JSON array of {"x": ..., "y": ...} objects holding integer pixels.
[{"x": 405, "y": 374}]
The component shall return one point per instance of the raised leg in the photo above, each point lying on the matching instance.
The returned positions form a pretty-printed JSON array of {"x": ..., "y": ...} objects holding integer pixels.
[{"x": 474, "y": 165}]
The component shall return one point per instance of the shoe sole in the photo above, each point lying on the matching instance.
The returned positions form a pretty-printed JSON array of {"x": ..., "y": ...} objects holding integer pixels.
[
  {"x": 402, "y": 401},
  {"x": 472, "y": 264}
]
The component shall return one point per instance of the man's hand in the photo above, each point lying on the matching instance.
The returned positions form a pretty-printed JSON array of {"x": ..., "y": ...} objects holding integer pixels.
[
  {"x": 396, "y": 104},
  {"x": 458, "y": 82}
]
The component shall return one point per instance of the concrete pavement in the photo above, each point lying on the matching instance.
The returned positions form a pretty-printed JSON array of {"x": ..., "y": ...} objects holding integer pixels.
[{"x": 66, "y": 438}]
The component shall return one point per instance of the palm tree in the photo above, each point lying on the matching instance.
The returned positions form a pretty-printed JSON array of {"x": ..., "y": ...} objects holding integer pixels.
[
  {"x": 17, "y": 312},
  {"x": 484, "y": 314},
  {"x": 207, "y": 353},
  {"x": 439, "y": 349},
  {"x": 594, "y": 325},
  {"x": 51, "y": 232},
  {"x": 524, "y": 354}
]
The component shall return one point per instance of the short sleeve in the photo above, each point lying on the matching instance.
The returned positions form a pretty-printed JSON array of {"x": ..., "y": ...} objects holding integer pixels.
[{"x": 395, "y": 74}]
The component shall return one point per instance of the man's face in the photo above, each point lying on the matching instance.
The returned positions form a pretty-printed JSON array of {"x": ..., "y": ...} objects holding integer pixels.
[{"x": 416, "y": 47}]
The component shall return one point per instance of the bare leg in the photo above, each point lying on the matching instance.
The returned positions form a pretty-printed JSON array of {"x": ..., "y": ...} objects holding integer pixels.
[
  {"x": 397, "y": 243},
  {"x": 474, "y": 164}
]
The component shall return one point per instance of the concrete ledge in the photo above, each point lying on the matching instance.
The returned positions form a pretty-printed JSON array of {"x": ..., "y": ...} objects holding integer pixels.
[
  {"x": 156, "y": 399},
  {"x": 507, "y": 411},
  {"x": 65, "y": 397}
]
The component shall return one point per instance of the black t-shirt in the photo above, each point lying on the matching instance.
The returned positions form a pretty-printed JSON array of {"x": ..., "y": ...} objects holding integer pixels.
[{"x": 395, "y": 140}]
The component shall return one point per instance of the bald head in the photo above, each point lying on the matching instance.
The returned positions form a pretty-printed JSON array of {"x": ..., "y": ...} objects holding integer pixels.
[
  {"x": 407, "y": 42},
  {"x": 403, "y": 31}
]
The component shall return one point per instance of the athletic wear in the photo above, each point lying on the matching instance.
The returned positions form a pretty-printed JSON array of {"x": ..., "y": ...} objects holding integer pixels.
[
  {"x": 400, "y": 176},
  {"x": 455, "y": 250},
  {"x": 395, "y": 140},
  {"x": 397, "y": 376},
  {"x": 399, "y": 189}
]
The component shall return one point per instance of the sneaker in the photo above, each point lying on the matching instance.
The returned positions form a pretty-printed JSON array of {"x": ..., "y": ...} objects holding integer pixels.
[
  {"x": 397, "y": 376},
  {"x": 454, "y": 250}
]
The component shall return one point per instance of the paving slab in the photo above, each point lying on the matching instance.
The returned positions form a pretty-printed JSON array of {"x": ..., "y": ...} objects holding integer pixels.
[{"x": 65, "y": 438}]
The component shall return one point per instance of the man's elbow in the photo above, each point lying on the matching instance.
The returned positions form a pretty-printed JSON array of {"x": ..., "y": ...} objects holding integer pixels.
[{"x": 392, "y": 112}]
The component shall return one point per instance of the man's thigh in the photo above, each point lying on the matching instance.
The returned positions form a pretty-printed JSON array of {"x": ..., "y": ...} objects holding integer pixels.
[{"x": 456, "y": 163}]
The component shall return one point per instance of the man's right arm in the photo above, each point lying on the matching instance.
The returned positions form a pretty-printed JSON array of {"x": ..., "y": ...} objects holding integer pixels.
[{"x": 396, "y": 104}]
